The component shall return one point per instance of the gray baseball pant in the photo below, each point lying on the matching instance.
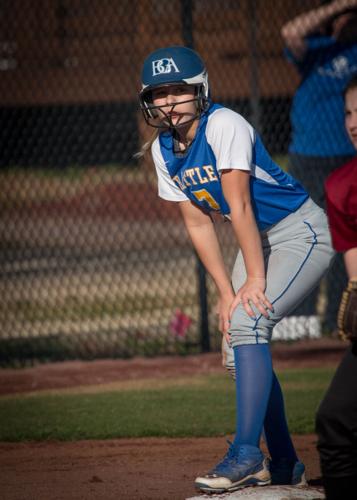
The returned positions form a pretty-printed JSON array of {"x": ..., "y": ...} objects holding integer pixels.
[{"x": 297, "y": 253}]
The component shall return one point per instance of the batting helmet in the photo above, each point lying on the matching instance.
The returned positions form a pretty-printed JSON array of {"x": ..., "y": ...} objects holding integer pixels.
[{"x": 173, "y": 66}]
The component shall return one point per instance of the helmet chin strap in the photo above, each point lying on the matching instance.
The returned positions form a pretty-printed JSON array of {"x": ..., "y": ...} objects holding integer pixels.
[{"x": 179, "y": 146}]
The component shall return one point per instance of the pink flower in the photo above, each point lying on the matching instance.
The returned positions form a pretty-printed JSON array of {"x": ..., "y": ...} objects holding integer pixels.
[{"x": 180, "y": 323}]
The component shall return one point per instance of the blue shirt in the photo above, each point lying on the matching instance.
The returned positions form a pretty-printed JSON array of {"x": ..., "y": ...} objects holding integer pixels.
[
  {"x": 225, "y": 140},
  {"x": 317, "y": 114}
]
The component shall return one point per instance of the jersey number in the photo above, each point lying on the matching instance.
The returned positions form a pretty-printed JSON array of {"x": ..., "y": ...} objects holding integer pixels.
[{"x": 203, "y": 194}]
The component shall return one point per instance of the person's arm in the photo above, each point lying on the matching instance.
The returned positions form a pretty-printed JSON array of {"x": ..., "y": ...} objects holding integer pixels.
[
  {"x": 201, "y": 230},
  {"x": 295, "y": 31},
  {"x": 350, "y": 259},
  {"x": 340, "y": 202},
  {"x": 236, "y": 189}
]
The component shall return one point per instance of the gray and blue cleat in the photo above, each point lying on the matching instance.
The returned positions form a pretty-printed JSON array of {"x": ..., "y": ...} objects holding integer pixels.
[{"x": 241, "y": 466}]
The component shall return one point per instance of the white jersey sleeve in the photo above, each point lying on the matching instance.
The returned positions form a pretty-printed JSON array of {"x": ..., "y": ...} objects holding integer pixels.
[
  {"x": 167, "y": 189},
  {"x": 231, "y": 138}
]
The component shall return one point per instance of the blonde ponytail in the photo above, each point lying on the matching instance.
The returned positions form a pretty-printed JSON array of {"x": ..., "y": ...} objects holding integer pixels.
[{"x": 146, "y": 146}]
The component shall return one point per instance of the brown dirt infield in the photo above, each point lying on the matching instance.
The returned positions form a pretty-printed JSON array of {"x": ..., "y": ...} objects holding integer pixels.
[{"x": 132, "y": 468}]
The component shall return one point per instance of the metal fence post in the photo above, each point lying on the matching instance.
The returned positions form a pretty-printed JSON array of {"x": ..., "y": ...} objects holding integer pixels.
[
  {"x": 254, "y": 63},
  {"x": 187, "y": 23},
  {"x": 202, "y": 286}
]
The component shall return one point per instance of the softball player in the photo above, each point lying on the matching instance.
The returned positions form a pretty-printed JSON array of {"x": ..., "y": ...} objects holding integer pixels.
[{"x": 210, "y": 159}]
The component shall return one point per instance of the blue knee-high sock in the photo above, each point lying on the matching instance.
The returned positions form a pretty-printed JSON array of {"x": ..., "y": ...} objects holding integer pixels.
[
  {"x": 253, "y": 386},
  {"x": 276, "y": 430}
]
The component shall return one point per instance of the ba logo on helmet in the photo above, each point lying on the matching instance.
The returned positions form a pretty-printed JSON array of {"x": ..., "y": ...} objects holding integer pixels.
[{"x": 165, "y": 65}]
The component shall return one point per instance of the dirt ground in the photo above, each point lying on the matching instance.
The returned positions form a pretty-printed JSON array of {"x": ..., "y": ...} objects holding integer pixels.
[{"x": 140, "y": 469}]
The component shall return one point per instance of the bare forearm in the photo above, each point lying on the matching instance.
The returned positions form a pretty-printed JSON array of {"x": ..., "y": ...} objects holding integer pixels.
[
  {"x": 201, "y": 230},
  {"x": 295, "y": 31},
  {"x": 236, "y": 188},
  {"x": 249, "y": 240},
  {"x": 205, "y": 241},
  {"x": 309, "y": 22},
  {"x": 350, "y": 258}
]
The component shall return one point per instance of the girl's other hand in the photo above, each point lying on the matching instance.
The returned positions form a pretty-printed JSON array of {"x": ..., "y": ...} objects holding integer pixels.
[{"x": 223, "y": 311}]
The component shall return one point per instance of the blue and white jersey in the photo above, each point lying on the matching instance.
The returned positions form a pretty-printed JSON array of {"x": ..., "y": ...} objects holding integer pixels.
[{"x": 225, "y": 140}]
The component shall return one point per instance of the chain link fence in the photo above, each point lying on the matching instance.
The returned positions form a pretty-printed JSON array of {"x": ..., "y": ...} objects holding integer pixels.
[{"x": 93, "y": 264}]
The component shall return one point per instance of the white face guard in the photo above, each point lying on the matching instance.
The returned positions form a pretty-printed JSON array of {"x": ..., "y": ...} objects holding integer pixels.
[{"x": 152, "y": 118}]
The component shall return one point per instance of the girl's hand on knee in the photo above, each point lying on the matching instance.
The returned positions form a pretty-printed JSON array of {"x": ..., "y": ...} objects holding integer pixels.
[{"x": 252, "y": 293}]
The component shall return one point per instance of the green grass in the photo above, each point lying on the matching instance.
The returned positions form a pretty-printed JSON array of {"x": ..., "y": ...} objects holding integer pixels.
[
  {"x": 84, "y": 308},
  {"x": 191, "y": 407},
  {"x": 21, "y": 186}
]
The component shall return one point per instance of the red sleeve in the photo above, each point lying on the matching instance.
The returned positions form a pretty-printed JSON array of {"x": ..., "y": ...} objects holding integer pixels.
[
  {"x": 343, "y": 229},
  {"x": 341, "y": 204}
]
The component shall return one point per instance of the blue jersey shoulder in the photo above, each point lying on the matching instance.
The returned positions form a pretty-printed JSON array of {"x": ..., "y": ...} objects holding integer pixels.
[{"x": 274, "y": 193}]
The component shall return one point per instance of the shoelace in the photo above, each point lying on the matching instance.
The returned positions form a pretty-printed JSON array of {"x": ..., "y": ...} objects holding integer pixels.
[{"x": 229, "y": 456}]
